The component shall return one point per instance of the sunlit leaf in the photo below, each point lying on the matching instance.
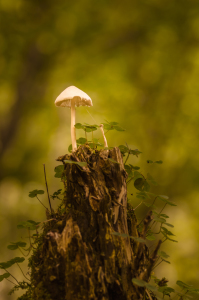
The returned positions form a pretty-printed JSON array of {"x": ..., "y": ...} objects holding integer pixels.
[
  {"x": 150, "y": 237},
  {"x": 163, "y": 254},
  {"x": 79, "y": 126},
  {"x": 139, "y": 282},
  {"x": 118, "y": 128},
  {"x": 81, "y": 141}
]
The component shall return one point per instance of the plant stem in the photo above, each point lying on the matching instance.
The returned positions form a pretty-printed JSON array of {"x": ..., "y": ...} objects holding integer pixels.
[
  {"x": 12, "y": 276},
  {"x": 47, "y": 188},
  {"x": 10, "y": 281},
  {"x": 22, "y": 272},
  {"x": 127, "y": 157},
  {"x": 138, "y": 205},
  {"x": 73, "y": 133},
  {"x": 42, "y": 203}
]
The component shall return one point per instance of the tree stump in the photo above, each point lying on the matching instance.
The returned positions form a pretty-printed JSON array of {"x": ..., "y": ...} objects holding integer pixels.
[{"x": 86, "y": 252}]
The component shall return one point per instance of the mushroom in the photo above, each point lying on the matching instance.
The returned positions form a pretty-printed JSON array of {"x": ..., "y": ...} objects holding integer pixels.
[
  {"x": 105, "y": 141},
  {"x": 72, "y": 97}
]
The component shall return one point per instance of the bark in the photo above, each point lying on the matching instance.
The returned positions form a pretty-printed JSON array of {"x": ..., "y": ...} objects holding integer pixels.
[{"x": 80, "y": 256}]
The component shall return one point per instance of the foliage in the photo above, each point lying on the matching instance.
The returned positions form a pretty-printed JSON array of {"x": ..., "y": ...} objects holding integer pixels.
[{"x": 142, "y": 185}]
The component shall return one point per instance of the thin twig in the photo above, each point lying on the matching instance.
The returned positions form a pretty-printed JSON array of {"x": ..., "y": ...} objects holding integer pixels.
[
  {"x": 12, "y": 276},
  {"x": 138, "y": 205},
  {"x": 42, "y": 203},
  {"x": 148, "y": 294},
  {"x": 10, "y": 281},
  {"x": 22, "y": 272},
  {"x": 47, "y": 188}
]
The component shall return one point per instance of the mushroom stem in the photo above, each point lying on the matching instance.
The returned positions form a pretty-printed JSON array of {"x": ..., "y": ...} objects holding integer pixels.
[
  {"x": 105, "y": 141},
  {"x": 73, "y": 133}
]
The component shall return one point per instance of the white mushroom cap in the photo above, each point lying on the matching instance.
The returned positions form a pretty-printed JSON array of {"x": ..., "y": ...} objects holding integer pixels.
[{"x": 81, "y": 98}]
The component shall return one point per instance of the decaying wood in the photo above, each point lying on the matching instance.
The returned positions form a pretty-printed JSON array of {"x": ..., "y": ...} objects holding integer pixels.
[{"x": 81, "y": 257}]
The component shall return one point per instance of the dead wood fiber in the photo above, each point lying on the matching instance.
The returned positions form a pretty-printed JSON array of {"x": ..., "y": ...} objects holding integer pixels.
[{"x": 79, "y": 256}]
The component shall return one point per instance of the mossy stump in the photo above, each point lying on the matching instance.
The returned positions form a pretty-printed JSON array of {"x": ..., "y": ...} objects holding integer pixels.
[{"x": 80, "y": 255}]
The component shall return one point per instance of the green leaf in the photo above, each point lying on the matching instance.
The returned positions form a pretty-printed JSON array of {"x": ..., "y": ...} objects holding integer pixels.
[
  {"x": 16, "y": 245},
  {"x": 143, "y": 283},
  {"x": 56, "y": 194},
  {"x": 166, "y": 290},
  {"x": 12, "y": 247},
  {"x": 120, "y": 234},
  {"x": 159, "y": 162},
  {"x": 135, "y": 152},
  {"x": 5, "y": 275},
  {"x": 79, "y": 126},
  {"x": 164, "y": 198},
  {"x": 8, "y": 264},
  {"x": 18, "y": 259},
  {"x": 141, "y": 184},
  {"x": 118, "y": 128},
  {"x": 166, "y": 231},
  {"x": 81, "y": 141},
  {"x": 114, "y": 161},
  {"x": 28, "y": 224},
  {"x": 134, "y": 167},
  {"x": 123, "y": 149},
  {"x": 139, "y": 282},
  {"x": 149, "y": 161},
  {"x": 187, "y": 287},
  {"x": 168, "y": 262},
  {"x": 113, "y": 123},
  {"x": 128, "y": 169},
  {"x": 70, "y": 148},
  {"x": 137, "y": 239},
  {"x": 170, "y": 225},
  {"x": 163, "y": 254},
  {"x": 108, "y": 126},
  {"x": 151, "y": 287},
  {"x": 80, "y": 163},
  {"x": 164, "y": 216},
  {"x": 59, "y": 171},
  {"x": 34, "y": 193},
  {"x": 137, "y": 175},
  {"x": 151, "y": 237},
  {"x": 161, "y": 220}
]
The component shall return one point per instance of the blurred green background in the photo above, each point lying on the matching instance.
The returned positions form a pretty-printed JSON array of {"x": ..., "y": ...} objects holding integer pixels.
[{"x": 139, "y": 62}]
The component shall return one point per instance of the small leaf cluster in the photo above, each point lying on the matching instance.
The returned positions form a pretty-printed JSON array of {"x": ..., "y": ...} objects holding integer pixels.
[{"x": 162, "y": 287}]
